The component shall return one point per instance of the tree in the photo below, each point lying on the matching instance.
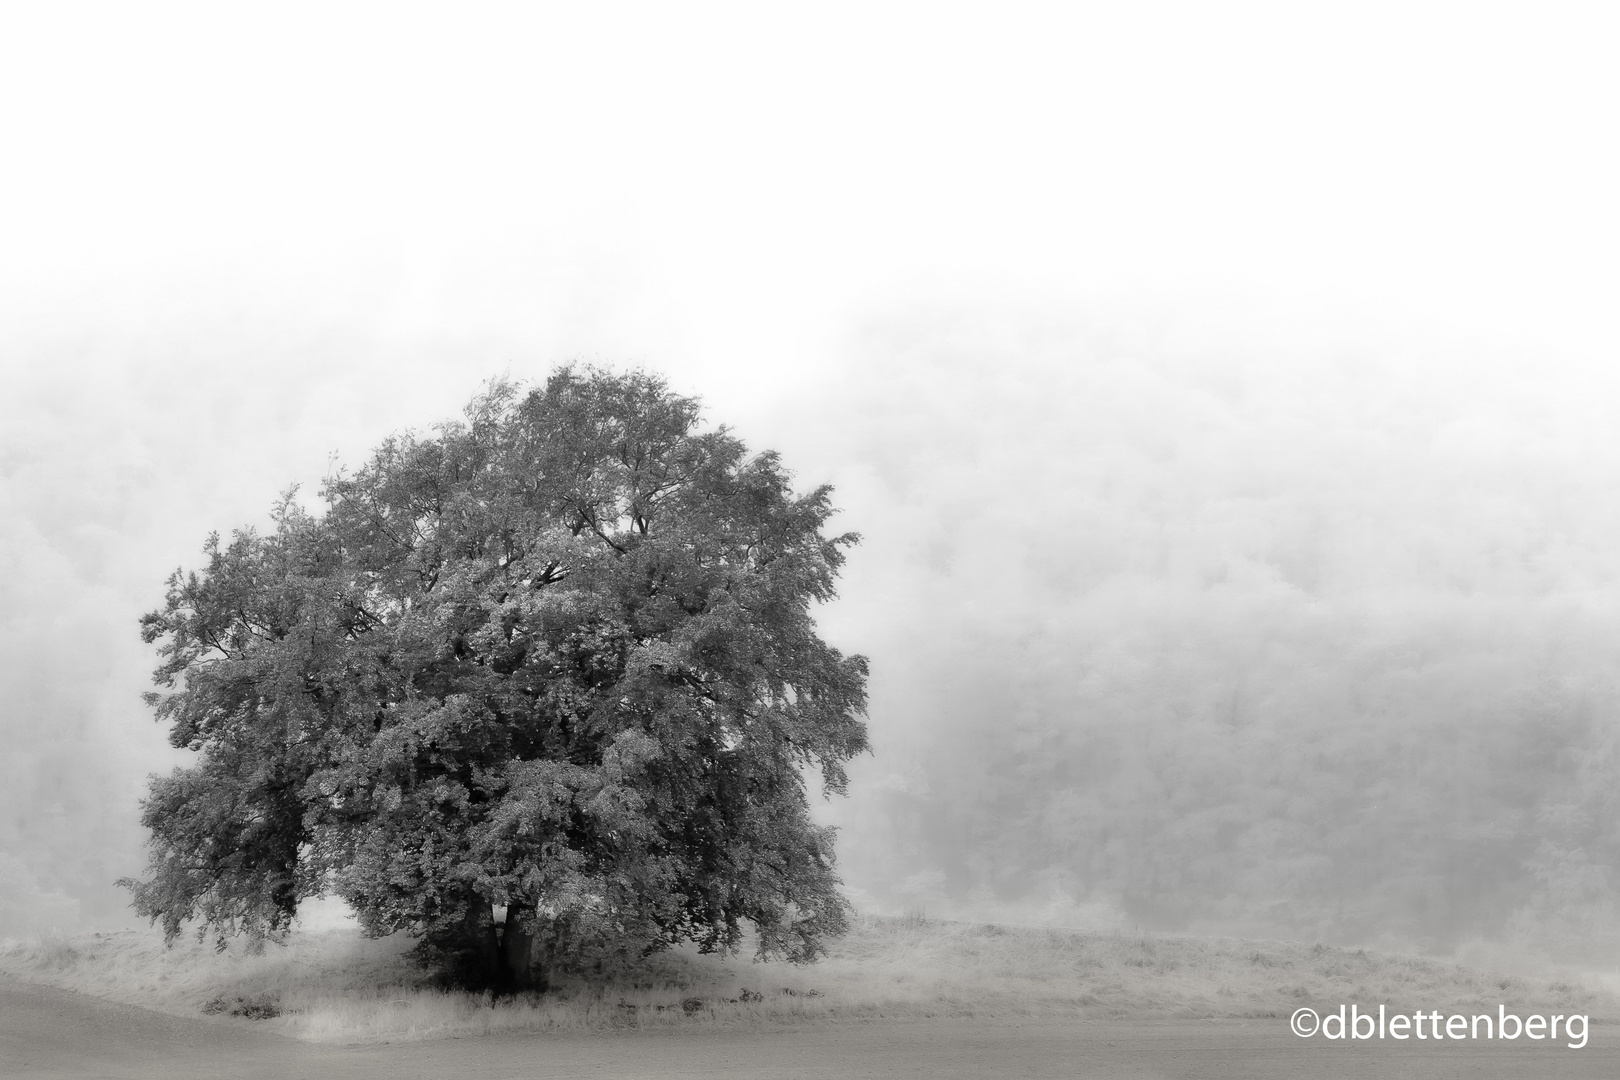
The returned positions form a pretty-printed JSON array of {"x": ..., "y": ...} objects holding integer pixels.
[{"x": 558, "y": 659}]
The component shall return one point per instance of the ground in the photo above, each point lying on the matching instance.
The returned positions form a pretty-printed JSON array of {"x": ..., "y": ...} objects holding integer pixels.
[
  {"x": 51, "y": 1033},
  {"x": 907, "y": 997}
]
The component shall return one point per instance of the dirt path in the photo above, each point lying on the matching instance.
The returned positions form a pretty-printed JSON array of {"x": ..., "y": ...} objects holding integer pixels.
[{"x": 53, "y": 1033}]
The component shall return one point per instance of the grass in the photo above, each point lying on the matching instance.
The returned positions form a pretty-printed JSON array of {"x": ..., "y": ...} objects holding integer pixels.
[{"x": 334, "y": 986}]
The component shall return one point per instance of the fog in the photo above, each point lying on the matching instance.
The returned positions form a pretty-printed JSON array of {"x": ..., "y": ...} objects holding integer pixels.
[
  {"x": 1226, "y": 402},
  {"x": 1311, "y": 647}
]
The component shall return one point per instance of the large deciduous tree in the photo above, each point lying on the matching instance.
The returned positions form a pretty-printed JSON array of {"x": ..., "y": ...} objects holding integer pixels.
[{"x": 556, "y": 659}]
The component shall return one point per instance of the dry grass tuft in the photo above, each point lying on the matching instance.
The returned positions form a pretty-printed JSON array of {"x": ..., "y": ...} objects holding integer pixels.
[{"x": 335, "y": 986}]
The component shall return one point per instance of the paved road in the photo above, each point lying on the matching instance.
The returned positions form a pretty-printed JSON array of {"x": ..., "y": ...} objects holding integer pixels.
[{"x": 53, "y": 1033}]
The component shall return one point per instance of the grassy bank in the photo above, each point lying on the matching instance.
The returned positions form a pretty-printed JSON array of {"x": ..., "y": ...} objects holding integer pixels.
[{"x": 335, "y": 986}]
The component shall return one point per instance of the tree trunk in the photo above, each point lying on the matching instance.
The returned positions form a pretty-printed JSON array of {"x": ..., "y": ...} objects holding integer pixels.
[
  {"x": 524, "y": 957},
  {"x": 482, "y": 945}
]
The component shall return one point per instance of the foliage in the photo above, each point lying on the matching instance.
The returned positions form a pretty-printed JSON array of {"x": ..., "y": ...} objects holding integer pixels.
[{"x": 557, "y": 658}]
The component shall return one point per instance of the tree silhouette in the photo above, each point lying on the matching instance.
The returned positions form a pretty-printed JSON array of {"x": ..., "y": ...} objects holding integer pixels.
[{"x": 556, "y": 659}]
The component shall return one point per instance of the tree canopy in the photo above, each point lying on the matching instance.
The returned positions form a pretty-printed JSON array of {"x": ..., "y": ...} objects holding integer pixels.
[{"x": 557, "y": 659}]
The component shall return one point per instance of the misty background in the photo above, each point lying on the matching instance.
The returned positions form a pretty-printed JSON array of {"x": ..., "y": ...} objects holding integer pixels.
[{"x": 1227, "y": 400}]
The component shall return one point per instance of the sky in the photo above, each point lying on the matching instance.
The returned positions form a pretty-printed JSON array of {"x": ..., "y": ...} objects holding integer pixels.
[{"x": 1005, "y": 274}]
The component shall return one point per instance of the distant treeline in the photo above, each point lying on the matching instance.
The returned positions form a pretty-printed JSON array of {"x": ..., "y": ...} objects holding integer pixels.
[
  {"x": 1299, "y": 649},
  {"x": 1310, "y": 774}
]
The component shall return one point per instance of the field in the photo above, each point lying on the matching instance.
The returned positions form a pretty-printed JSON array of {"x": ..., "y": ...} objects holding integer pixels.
[{"x": 333, "y": 986}]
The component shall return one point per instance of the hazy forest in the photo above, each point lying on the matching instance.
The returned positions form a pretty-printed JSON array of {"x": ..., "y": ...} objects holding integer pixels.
[{"x": 1314, "y": 649}]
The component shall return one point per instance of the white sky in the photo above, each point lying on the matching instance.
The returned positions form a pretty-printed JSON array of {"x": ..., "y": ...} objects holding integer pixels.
[
  {"x": 718, "y": 175},
  {"x": 232, "y": 242}
]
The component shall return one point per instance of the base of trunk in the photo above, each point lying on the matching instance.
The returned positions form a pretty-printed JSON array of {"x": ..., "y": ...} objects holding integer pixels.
[
  {"x": 481, "y": 954},
  {"x": 523, "y": 955}
]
